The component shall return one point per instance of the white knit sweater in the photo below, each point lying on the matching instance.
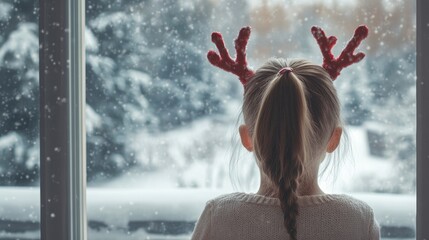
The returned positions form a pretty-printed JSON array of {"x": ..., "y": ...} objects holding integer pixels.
[{"x": 244, "y": 216}]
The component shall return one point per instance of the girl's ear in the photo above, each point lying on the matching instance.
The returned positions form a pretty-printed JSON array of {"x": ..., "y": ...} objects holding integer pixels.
[
  {"x": 246, "y": 140},
  {"x": 334, "y": 141}
]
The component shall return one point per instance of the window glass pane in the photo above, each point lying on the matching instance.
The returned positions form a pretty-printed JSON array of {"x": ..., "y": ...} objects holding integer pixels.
[
  {"x": 162, "y": 122},
  {"x": 19, "y": 120}
]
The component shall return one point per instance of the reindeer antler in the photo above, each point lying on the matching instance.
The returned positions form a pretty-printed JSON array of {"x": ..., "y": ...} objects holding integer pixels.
[
  {"x": 334, "y": 65},
  {"x": 224, "y": 61}
]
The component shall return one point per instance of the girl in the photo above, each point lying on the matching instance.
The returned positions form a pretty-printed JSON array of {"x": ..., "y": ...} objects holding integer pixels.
[{"x": 292, "y": 118}]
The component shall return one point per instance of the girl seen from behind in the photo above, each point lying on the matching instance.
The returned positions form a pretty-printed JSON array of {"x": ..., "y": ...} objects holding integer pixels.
[{"x": 291, "y": 120}]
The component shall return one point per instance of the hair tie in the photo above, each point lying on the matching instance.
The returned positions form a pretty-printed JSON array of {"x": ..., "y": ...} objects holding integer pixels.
[{"x": 286, "y": 70}]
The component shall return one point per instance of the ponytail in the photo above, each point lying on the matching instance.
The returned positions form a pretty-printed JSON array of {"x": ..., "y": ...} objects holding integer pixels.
[{"x": 280, "y": 140}]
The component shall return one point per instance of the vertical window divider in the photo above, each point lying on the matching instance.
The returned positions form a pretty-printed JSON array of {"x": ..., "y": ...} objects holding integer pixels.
[
  {"x": 62, "y": 120},
  {"x": 422, "y": 120},
  {"x": 77, "y": 119}
]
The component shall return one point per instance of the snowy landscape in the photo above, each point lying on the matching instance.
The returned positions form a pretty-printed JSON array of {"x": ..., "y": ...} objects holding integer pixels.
[
  {"x": 162, "y": 122},
  {"x": 131, "y": 213}
]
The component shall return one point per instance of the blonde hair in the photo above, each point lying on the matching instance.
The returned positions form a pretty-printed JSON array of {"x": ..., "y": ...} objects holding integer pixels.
[{"x": 290, "y": 118}]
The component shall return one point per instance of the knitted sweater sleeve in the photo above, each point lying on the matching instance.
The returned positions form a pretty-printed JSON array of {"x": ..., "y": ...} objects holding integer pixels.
[
  {"x": 203, "y": 227},
  {"x": 374, "y": 229}
]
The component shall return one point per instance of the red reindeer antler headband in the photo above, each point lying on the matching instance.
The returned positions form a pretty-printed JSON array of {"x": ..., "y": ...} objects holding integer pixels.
[
  {"x": 331, "y": 64},
  {"x": 334, "y": 65},
  {"x": 224, "y": 61}
]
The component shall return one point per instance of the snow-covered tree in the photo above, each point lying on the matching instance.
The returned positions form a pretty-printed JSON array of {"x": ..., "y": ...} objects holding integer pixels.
[
  {"x": 145, "y": 71},
  {"x": 19, "y": 107}
]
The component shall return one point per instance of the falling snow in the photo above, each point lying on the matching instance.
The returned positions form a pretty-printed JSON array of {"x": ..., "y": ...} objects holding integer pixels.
[{"x": 158, "y": 116}]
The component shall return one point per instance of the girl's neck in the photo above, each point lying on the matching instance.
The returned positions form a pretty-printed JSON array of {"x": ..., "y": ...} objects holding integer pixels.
[{"x": 306, "y": 187}]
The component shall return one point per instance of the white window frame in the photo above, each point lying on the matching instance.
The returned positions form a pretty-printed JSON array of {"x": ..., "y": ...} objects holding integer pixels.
[{"x": 62, "y": 125}]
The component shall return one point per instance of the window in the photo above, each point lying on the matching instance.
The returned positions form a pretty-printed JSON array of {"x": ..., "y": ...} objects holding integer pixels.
[{"x": 160, "y": 119}]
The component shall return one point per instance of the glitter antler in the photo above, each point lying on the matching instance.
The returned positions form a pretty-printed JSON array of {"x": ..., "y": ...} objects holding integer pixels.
[
  {"x": 224, "y": 61},
  {"x": 334, "y": 65}
]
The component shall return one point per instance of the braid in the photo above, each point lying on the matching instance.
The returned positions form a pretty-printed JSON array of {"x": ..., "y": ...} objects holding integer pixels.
[{"x": 288, "y": 186}]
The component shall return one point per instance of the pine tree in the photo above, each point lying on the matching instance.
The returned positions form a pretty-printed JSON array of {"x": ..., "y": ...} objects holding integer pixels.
[{"x": 19, "y": 120}]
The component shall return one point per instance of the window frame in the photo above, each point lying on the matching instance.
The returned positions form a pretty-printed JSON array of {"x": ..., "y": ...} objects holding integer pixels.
[
  {"x": 62, "y": 120},
  {"x": 422, "y": 134},
  {"x": 62, "y": 76}
]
